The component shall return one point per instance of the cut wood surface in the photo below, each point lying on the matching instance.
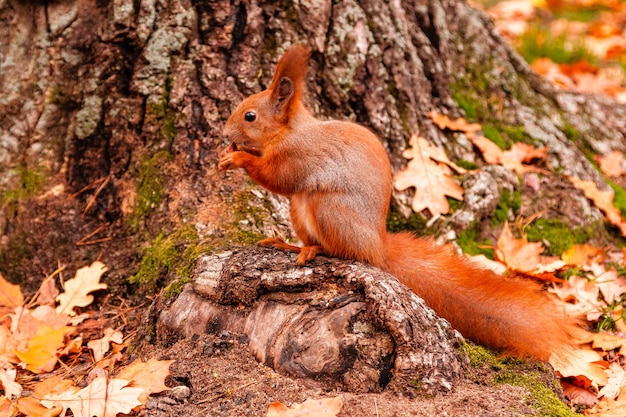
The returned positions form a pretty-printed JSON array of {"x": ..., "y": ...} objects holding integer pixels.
[{"x": 337, "y": 323}]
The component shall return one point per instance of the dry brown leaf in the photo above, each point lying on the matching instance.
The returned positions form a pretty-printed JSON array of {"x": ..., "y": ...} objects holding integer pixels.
[
  {"x": 10, "y": 296},
  {"x": 103, "y": 397},
  {"x": 492, "y": 154},
  {"x": 149, "y": 376},
  {"x": 7, "y": 408},
  {"x": 579, "y": 395},
  {"x": 101, "y": 346},
  {"x": 611, "y": 286},
  {"x": 432, "y": 181},
  {"x": 459, "y": 125},
  {"x": 617, "y": 381},
  {"x": 581, "y": 255},
  {"x": 8, "y": 384},
  {"x": 514, "y": 158},
  {"x": 581, "y": 362},
  {"x": 77, "y": 289},
  {"x": 31, "y": 407},
  {"x": 606, "y": 341},
  {"x": 581, "y": 297},
  {"x": 519, "y": 254},
  {"x": 602, "y": 200},
  {"x": 613, "y": 164},
  {"x": 323, "y": 407}
]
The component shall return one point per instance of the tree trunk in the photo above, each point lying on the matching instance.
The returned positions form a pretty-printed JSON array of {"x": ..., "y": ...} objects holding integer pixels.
[{"x": 111, "y": 115}]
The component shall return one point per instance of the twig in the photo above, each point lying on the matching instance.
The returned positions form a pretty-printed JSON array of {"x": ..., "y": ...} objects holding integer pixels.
[
  {"x": 86, "y": 187},
  {"x": 92, "y": 200},
  {"x": 83, "y": 241}
]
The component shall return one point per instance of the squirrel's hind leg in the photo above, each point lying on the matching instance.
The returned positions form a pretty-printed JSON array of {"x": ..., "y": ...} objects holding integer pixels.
[{"x": 305, "y": 253}]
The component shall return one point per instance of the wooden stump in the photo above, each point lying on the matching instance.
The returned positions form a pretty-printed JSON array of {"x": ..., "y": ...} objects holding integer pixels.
[{"x": 335, "y": 323}]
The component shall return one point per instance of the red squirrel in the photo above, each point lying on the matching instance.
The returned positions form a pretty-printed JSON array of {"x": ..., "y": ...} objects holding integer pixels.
[{"x": 338, "y": 178}]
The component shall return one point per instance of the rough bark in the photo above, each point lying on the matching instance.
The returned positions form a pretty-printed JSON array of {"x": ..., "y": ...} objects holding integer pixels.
[{"x": 335, "y": 323}]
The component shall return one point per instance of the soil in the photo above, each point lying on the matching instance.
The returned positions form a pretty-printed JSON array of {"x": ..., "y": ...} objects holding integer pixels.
[{"x": 225, "y": 380}]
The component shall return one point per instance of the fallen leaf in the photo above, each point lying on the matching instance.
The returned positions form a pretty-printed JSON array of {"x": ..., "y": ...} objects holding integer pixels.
[
  {"x": 323, "y": 407},
  {"x": 613, "y": 164},
  {"x": 460, "y": 124},
  {"x": 580, "y": 362},
  {"x": 103, "y": 397},
  {"x": 101, "y": 346},
  {"x": 8, "y": 384},
  {"x": 579, "y": 395},
  {"x": 602, "y": 200},
  {"x": 432, "y": 181},
  {"x": 581, "y": 255},
  {"x": 7, "y": 408},
  {"x": 581, "y": 297},
  {"x": 31, "y": 407},
  {"x": 617, "y": 381},
  {"x": 149, "y": 376},
  {"x": 41, "y": 355},
  {"x": 518, "y": 254},
  {"x": 10, "y": 295},
  {"x": 77, "y": 289}
]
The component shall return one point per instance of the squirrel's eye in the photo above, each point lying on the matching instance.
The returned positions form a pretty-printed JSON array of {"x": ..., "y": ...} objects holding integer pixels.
[{"x": 250, "y": 116}]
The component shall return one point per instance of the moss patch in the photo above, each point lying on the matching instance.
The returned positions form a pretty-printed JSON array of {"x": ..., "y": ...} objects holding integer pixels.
[
  {"x": 396, "y": 222},
  {"x": 469, "y": 242},
  {"x": 150, "y": 188},
  {"x": 31, "y": 181},
  {"x": 508, "y": 202},
  {"x": 560, "y": 235},
  {"x": 170, "y": 254},
  {"x": 538, "y": 42},
  {"x": 619, "y": 201},
  {"x": 542, "y": 399}
]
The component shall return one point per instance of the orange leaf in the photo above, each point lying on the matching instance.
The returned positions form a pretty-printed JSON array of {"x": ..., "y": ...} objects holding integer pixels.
[
  {"x": 149, "y": 376},
  {"x": 33, "y": 408},
  {"x": 613, "y": 164},
  {"x": 432, "y": 181},
  {"x": 87, "y": 279},
  {"x": 581, "y": 255},
  {"x": 10, "y": 295},
  {"x": 602, "y": 200},
  {"x": 518, "y": 254},
  {"x": 581, "y": 363},
  {"x": 7, "y": 382},
  {"x": 460, "y": 124},
  {"x": 323, "y": 407},
  {"x": 7, "y": 408},
  {"x": 101, "y": 346}
]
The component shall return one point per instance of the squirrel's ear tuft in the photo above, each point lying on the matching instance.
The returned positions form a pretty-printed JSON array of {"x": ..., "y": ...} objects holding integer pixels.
[{"x": 288, "y": 82}]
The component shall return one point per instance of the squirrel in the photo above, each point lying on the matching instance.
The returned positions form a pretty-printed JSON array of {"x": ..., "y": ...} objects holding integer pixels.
[{"x": 338, "y": 178}]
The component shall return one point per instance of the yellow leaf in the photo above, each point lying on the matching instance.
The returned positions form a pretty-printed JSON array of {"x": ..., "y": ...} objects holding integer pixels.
[
  {"x": 41, "y": 355},
  {"x": 581, "y": 255},
  {"x": 77, "y": 289},
  {"x": 432, "y": 181},
  {"x": 323, "y": 407}
]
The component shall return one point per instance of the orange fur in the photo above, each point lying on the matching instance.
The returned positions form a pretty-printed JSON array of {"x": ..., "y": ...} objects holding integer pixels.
[{"x": 338, "y": 178}]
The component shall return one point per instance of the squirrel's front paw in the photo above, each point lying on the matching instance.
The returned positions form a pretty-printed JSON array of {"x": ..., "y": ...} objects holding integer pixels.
[{"x": 227, "y": 161}]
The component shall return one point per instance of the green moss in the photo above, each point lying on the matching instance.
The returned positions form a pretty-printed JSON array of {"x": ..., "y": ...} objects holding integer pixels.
[
  {"x": 469, "y": 243},
  {"x": 170, "y": 254},
  {"x": 560, "y": 235},
  {"x": 469, "y": 165},
  {"x": 493, "y": 135},
  {"x": 150, "y": 188},
  {"x": 466, "y": 103},
  {"x": 619, "y": 201},
  {"x": 248, "y": 219},
  {"x": 161, "y": 113},
  {"x": 479, "y": 356},
  {"x": 538, "y": 42},
  {"x": 570, "y": 132},
  {"x": 396, "y": 222},
  {"x": 31, "y": 181},
  {"x": 542, "y": 399},
  {"x": 508, "y": 202}
]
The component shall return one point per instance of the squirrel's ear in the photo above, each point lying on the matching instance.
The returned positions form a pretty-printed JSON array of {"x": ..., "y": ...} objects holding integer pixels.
[{"x": 282, "y": 94}]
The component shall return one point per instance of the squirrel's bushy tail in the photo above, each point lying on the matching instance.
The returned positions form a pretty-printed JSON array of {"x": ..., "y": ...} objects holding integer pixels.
[{"x": 513, "y": 315}]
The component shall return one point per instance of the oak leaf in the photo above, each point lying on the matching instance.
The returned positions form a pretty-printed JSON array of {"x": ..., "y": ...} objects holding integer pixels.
[
  {"x": 101, "y": 346},
  {"x": 103, "y": 397},
  {"x": 31, "y": 407},
  {"x": 77, "y": 289},
  {"x": 432, "y": 181},
  {"x": 522, "y": 255},
  {"x": 514, "y": 158},
  {"x": 149, "y": 376},
  {"x": 460, "y": 124},
  {"x": 323, "y": 407},
  {"x": 615, "y": 383}
]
